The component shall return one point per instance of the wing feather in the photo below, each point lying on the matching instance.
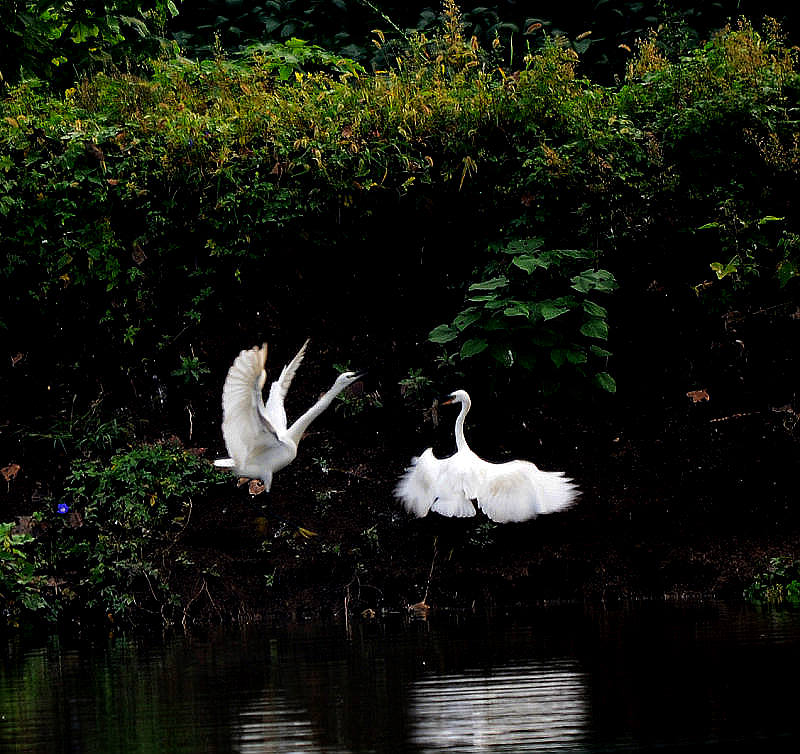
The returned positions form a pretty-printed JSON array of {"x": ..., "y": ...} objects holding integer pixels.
[
  {"x": 275, "y": 410},
  {"x": 245, "y": 427},
  {"x": 431, "y": 484},
  {"x": 518, "y": 490}
]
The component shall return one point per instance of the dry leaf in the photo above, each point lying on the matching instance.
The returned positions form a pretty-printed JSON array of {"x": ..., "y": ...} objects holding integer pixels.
[
  {"x": 138, "y": 253},
  {"x": 16, "y": 358},
  {"x": 698, "y": 395},
  {"x": 10, "y": 471}
]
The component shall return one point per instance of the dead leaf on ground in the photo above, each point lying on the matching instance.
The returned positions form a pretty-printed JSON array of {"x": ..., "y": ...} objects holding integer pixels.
[
  {"x": 419, "y": 610},
  {"x": 16, "y": 358},
  {"x": 10, "y": 472},
  {"x": 698, "y": 395}
]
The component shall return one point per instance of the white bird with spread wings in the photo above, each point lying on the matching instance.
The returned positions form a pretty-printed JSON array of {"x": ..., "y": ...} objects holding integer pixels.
[
  {"x": 255, "y": 433},
  {"x": 512, "y": 491}
]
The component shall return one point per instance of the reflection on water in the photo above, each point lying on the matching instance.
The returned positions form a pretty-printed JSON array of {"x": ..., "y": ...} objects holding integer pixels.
[
  {"x": 569, "y": 678},
  {"x": 271, "y": 724},
  {"x": 537, "y": 707}
]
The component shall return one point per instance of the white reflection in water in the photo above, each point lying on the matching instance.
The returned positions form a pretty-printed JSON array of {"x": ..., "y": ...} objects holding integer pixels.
[
  {"x": 270, "y": 725},
  {"x": 527, "y": 707}
]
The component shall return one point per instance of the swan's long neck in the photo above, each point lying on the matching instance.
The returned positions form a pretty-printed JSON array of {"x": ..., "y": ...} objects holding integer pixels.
[
  {"x": 297, "y": 429},
  {"x": 461, "y": 441}
]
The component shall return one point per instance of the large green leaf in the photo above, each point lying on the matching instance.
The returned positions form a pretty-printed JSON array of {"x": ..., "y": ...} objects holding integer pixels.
[
  {"x": 491, "y": 284},
  {"x": 472, "y": 347},
  {"x": 530, "y": 262},
  {"x": 82, "y": 32},
  {"x": 517, "y": 309},
  {"x": 595, "y": 328},
  {"x": 606, "y": 381},
  {"x": 550, "y": 309},
  {"x": 594, "y": 280},
  {"x": 595, "y": 310},
  {"x": 523, "y": 245},
  {"x": 442, "y": 334},
  {"x": 597, "y": 351},
  {"x": 467, "y": 317}
]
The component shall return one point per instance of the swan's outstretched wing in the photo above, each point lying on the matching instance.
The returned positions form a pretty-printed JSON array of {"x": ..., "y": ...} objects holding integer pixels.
[
  {"x": 518, "y": 490},
  {"x": 275, "y": 411},
  {"x": 245, "y": 426},
  {"x": 432, "y": 484}
]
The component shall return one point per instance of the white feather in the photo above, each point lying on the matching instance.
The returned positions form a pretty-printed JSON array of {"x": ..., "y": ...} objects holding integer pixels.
[
  {"x": 512, "y": 491},
  {"x": 255, "y": 433}
]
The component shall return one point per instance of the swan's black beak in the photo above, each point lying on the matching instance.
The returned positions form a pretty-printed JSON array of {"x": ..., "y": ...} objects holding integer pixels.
[{"x": 360, "y": 375}]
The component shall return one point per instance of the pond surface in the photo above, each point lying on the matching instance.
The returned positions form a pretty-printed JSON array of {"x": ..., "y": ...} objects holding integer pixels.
[{"x": 666, "y": 677}]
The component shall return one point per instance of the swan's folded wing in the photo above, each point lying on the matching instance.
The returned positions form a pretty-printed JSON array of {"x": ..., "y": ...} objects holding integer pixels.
[
  {"x": 275, "y": 411},
  {"x": 518, "y": 491},
  {"x": 244, "y": 426},
  {"x": 431, "y": 484}
]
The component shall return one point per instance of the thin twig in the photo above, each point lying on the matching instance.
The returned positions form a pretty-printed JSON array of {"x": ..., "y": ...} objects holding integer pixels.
[{"x": 430, "y": 574}]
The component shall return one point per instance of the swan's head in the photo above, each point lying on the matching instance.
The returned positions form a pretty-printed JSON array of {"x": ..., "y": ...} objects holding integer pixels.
[
  {"x": 457, "y": 396},
  {"x": 345, "y": 379}
]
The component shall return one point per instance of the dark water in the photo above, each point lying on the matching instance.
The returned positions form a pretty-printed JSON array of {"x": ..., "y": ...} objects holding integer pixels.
[{"x": 648, "y": 677}]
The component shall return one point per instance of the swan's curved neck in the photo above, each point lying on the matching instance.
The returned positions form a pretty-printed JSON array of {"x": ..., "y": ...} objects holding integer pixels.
[
  {"x": 301, "y": 425},
  {"x": 461, "y": 441}
]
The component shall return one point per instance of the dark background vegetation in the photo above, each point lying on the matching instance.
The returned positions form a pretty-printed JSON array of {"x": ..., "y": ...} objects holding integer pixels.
[{"x": 161, "y": 211}]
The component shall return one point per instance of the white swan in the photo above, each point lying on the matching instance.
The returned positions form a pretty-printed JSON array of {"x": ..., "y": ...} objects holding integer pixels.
[
  {"x": 256, "y": 435},
  {"x": 512, "y": 491}
]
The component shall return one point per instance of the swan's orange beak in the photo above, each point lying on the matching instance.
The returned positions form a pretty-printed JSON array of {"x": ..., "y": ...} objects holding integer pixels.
[{"x": 447, "y": 402}]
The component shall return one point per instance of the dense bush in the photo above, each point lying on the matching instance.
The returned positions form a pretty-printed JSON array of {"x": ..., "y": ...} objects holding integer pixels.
[
  {"x": 53, "y": 40},
  {"x": 146, "y": 219},
  {"x": 109, "y": 544}
]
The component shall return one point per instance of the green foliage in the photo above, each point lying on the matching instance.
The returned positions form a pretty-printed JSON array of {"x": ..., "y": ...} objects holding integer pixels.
[
  {"x": 780, "y": 582},
  {"x": 416, "y": 387},
  {"x": 191, "y": 369},
  {"x": 534, "y": 307},
  {"x": 40, "y": 39},
  {"x": 298, "y": 56},
  {"x": 18, "y": 584},
  {"x": 108, "y": 546},
  {"x": 140, "y": 212}
]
